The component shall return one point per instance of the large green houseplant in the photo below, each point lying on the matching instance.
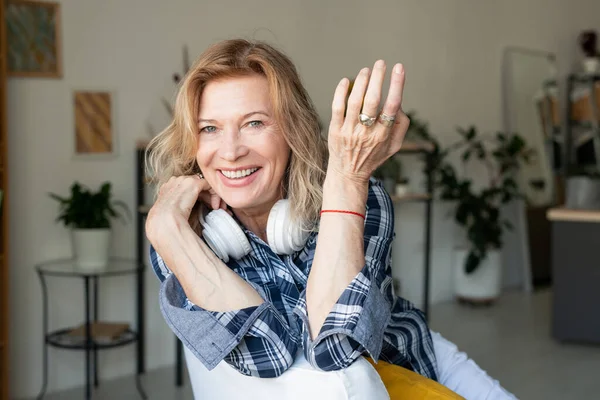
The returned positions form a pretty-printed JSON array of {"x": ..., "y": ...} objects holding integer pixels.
[
  {"x": 477, "y": 208},
  {"x": 88, "y": 215}
]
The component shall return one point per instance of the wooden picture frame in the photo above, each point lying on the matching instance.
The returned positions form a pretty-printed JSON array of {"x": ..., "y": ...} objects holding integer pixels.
[
  {"x": 94, "y": 125},
  {"x": 34, "y": 47}
]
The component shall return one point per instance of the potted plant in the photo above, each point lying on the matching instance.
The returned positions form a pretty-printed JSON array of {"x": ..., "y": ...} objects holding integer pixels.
[
  {"x": 402, "y": 188},
  {"x": 478, "y": 211},
  {"x": 588, "y": 40},
  {"x": 89, "y": 215}
]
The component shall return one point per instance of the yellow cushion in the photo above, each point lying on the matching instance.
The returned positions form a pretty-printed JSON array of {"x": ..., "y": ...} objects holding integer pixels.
[{"x": 402, "y": 383}]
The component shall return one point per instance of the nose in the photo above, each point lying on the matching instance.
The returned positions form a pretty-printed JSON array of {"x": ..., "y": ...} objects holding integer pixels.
[{"x": 232, "y": 145}]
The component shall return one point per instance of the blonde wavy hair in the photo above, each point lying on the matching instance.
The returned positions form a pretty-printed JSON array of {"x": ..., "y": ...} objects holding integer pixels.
[{"x": 172, "y": 152}]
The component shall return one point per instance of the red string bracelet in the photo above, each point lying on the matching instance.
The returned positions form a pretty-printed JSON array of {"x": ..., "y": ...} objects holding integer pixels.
[{"x": 343, "y": 212}]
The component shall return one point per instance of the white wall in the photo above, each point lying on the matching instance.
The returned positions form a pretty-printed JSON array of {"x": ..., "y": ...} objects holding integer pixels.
[{"x": 452, "y": 53}]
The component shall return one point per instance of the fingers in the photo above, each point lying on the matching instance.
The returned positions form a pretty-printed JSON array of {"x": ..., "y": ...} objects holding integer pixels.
[
  {"x": 355, "y": 101},
  {"x": 211, "y": 198},
  {"x": 393, "y": 102},
  {"x": 338, "y": 107},
  {"x": 373, "y": 96},
  {"x": 399, "y": 130},
  {"x": 185, "y": 191}
]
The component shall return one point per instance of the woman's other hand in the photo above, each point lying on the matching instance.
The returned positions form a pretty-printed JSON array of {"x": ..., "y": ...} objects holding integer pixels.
[
  {"x": 176, "y": 202},
  {"x": 357, "y": 150}
]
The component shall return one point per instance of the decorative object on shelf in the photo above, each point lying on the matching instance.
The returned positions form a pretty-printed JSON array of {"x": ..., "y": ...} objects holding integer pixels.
[
  {"x": 583, "y": 189},
  {"x": 93, "y": 122},
  {"x": 588, "y": 40},
  {"x": 102, "y": 332},
  {"x": 477, "y": 211},
  {"x": 88, "y": 214},
  {"x": 402, "y": 188},
  {"x": 33, "y": 39},
  {"x": 389, "y": 173},
  {"x": 162, "y": 111}
]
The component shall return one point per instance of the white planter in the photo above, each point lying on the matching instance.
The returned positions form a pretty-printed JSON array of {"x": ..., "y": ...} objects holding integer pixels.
[
  {"x": 401, "y": 189},
  {"x": 482, "y": 285},
  {"x": 591, "y": 65},
  {"x": 91, "y": 248}
]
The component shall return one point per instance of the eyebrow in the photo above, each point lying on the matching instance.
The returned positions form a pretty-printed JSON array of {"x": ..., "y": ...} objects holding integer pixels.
[{"x": 243, "y": 117}]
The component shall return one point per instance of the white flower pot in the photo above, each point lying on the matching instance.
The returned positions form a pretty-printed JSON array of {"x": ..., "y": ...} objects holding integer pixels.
[
  {"x": 91, "y": 248},
  {"x": 591, "y": 65},
  {"x": 401, "y": 189},
  {"x": 483, "y": 284}
]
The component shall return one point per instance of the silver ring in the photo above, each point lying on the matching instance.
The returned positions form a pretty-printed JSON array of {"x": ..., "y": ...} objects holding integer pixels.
[
  {"x": 366, "y": 120},
  {"x": 386, "y": 120},
  {"x": 200, "y": 175}
]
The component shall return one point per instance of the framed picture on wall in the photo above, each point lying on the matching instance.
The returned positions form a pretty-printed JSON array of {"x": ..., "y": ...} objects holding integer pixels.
[
  {"x": 33, "y": 39},
  {"x": 94, "y": 125}
]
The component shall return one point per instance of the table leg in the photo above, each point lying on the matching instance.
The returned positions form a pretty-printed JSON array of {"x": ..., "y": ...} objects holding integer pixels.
[
  {"x": 140, "y": 332},
  {"x": 141, "y": 328},
  {"x": 179, "y": 362},
  {"x": 95, "y": 320},
  {"x": 45, "y": 332},
  {"x": 88, "y": 340}
]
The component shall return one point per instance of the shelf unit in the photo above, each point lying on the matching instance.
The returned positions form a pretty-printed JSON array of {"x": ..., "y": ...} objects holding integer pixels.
[
  {"x": 142, "y": 211},
  {"x": 4, "y": 264},
  {"x": 418, "y": 148},
  {"x": 88, "y": 341},
  {"x": 582, "y": 127},
  {"x": 424, "y": 149}
]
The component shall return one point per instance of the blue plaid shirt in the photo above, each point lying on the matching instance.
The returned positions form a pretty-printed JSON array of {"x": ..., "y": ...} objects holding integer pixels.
[{"x": 263, "y": 340}]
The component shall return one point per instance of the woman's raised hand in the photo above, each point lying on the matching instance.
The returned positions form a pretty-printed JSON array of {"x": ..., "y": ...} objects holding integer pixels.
[{"x": 361, "y": 136}]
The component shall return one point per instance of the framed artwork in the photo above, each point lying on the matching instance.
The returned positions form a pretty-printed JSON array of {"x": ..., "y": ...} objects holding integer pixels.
[
  {"x": 33, "y": 39},
  {"x": 93, "y": 123}
]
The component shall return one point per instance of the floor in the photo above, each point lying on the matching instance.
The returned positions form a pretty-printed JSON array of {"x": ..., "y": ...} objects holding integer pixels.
[{"x": 511, "y": 340}]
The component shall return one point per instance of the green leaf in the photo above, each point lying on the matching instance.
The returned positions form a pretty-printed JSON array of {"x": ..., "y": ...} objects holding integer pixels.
[
  {"x": 472, "y": 262},
  {"x": 466, "y": 155},
  {"x": 86, "y": 209},
  {"x": 538, "y": 184}
]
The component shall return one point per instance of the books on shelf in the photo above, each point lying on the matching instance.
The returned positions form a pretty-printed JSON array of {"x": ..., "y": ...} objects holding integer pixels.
[{"x": 102, "y": 332}]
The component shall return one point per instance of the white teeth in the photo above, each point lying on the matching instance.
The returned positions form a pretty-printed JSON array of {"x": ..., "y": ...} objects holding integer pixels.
[{"x": 238, "y": 174}]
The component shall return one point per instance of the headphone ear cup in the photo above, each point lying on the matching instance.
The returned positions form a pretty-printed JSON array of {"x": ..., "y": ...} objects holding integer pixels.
[
  {"x": 224, "y": 236},
  {"x": 284, "y": 237}
]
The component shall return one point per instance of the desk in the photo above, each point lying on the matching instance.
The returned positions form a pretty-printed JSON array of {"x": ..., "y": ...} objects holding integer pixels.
[
  {"x": 61, "y": 339},
  {"x": 576, "y": 274}
]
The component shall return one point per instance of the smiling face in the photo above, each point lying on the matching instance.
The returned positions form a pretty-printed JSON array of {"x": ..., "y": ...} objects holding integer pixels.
[{"x": 241, "y": 152}]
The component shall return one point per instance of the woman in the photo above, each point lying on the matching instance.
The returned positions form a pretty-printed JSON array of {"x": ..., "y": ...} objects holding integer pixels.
[{"x": 244, "y": 136}]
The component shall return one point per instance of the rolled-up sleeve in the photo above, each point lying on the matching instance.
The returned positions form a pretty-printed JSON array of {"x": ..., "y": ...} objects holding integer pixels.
[
  {"x": 355, "y": 324},
  {"x": 358, "y": 321},
  {"x": 257, "y": 340}
]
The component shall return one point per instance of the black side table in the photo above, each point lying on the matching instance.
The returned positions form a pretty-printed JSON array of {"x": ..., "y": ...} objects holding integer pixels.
[{"x": 59, "y": 338}]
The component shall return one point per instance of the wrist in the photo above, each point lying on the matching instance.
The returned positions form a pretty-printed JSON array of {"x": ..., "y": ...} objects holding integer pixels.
[
  {"x": 164, "y": 230},
  {"x": 344, "y": 193}
]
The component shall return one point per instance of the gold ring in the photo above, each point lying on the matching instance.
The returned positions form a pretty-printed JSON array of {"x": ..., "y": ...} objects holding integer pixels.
[{"x": 386, "y": 120}]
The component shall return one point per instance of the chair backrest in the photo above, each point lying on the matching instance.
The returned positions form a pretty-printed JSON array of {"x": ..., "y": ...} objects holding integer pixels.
[{"x": 300, "y": 382}]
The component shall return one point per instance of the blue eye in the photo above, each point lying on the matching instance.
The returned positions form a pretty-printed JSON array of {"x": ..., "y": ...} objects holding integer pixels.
[
  {"x": 255, "y": 124},
  {"x": 209, "y": 129}
]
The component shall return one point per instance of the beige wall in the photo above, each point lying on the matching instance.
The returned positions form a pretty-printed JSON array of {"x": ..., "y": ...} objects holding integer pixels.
[{"x": 452, "y": 53}]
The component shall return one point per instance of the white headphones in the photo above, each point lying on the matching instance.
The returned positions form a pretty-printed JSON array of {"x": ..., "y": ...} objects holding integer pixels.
[{"x": 226, "y": 239}]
